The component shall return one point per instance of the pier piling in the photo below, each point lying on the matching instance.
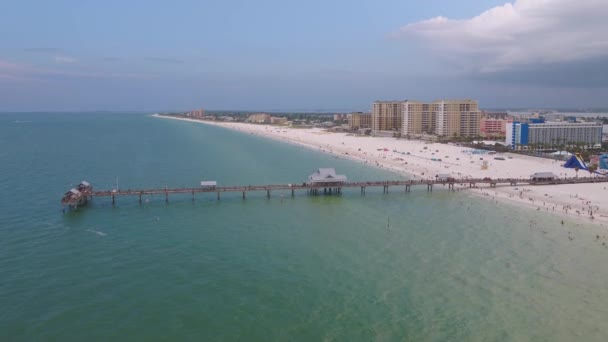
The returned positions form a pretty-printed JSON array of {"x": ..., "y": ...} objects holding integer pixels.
[{"x": 315, "y": 189}]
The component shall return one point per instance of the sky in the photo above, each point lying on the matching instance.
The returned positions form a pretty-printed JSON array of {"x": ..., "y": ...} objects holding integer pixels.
[{"x": 307, "y": 55}]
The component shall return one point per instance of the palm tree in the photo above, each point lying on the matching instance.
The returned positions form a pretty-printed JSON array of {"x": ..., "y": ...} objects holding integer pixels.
[{"x": 592, "y": 168}]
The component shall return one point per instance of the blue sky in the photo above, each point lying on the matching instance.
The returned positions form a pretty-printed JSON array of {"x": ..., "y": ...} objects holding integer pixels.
[{"x": 297, "y": 55}]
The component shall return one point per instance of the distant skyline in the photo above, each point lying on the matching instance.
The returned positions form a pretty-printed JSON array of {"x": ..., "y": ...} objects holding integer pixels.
[{"x": 301, "y": 56}]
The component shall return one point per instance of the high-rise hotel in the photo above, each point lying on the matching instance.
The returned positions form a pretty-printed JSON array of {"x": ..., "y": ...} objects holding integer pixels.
[
  {"x": 447, "y": 118},
  {"x": 387, "y": 116}
]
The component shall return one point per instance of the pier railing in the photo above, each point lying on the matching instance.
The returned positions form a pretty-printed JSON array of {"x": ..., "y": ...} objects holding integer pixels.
[{"x": 336, "y": 187}]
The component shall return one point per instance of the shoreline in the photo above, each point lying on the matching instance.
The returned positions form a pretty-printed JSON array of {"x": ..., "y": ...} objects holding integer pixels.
[{"x": 571, "y": 201}]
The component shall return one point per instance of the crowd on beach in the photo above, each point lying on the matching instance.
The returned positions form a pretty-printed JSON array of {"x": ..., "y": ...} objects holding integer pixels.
[{"x": 420, "y": 160}]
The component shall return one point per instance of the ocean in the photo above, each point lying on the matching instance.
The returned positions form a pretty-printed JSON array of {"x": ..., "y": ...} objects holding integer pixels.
[{"x": 401, "y": 266}]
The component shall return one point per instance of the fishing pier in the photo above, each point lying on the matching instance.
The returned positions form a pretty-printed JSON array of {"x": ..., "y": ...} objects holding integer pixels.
[{"x": 323, "y": 182}]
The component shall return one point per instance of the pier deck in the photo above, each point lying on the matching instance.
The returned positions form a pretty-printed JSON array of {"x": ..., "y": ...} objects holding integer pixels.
[{"x": 337, "y": 187}]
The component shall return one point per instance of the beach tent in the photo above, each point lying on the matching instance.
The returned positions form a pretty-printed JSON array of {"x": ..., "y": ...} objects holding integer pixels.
[{"x": 576, "y": 161}]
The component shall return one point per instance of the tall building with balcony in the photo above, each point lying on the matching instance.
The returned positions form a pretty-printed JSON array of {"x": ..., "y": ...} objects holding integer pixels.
[
  {"x": 447, "y": 118},
  {"x": 387, "y": 117},
  {"x": 359, "y": 120},
  {"x": 456, "y": 118}
]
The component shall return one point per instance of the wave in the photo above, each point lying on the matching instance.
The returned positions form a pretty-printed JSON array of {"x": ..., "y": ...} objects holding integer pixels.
[{"x": 97, "y": 232}]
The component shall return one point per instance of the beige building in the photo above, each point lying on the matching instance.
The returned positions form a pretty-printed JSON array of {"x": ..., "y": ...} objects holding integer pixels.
[
  {"x": 418, "y": 118},
  {"x": 359, "y": 120},
  {"x": 456, "y": 118},
  {"x": 278, "y": 121},
  {"x": 259, "y": 118},
  {"x": 197, "y": 113},
  {"x": 444, "y": 118},
  {"x": 387, "y": 116}
]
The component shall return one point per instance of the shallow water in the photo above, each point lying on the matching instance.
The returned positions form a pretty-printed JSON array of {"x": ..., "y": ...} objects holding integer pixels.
[{"x": 415, "y": 266}]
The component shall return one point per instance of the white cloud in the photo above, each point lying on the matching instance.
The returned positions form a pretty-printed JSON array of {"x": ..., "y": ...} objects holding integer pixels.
[
  {"x": 64, "y": 60},
  {"x": 522, "y": 33}
]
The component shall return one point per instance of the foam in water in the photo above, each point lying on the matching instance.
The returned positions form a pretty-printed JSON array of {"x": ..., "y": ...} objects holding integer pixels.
[{"x": 97, "y": 232}]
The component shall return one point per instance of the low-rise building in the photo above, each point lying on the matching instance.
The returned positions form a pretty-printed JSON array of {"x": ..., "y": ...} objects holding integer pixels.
[
  {"x": 340, "y": 117},
  {"x": 553, "y": 134},
  {"x": 326, "y": 177},
  {"x": 493, "y": 128},
  {"x": 278, "y": 121},
  {"x": 260, "y": 118}
]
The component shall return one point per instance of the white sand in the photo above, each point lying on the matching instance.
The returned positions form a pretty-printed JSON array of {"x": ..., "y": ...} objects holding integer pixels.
[{"x": 574, "y": 200}]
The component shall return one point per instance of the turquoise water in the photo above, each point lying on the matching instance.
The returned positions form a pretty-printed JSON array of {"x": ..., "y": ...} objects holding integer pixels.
[{"x": 446, "y": 267}]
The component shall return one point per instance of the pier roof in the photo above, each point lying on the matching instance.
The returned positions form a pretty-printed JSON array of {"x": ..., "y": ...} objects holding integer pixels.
[{"x": 326, "y": 175}]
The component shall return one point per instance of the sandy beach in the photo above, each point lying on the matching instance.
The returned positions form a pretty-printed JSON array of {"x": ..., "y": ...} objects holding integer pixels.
[{"x": 422, "y": 160}]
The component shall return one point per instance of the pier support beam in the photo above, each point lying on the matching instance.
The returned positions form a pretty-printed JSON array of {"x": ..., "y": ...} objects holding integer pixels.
[
  {"x": 292, "y": 193},
  {"x": 429, "y": 187},
  {"x": 267, "y": 193},
  {"x": 113, "y": 200},
  {"x": 166, "y": 197},
  {"x": 407, "y": 188},
  {"x": 243, "y": 194},
  {"x": 363, "y": 191},
  {"x": 192, "y": 195},
  {"x": 140, "y": 198},
  {"x": 218, "y": 195}
]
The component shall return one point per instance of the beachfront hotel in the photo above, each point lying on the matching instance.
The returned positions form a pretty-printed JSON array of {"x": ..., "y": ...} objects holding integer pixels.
[
  {"x": 553, "y": 134},
  {"x": 493, "y": 128},
  {"x": 447, "y": 118},
  {"x": 359, "y": 120},
  {"x": 387, "y": 117}
]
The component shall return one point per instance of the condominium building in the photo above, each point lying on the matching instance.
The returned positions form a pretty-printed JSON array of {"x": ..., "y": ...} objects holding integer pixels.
[
  {"x": 418, "y": 118},
  {"x": 456, "y": 118},
  {"x": 197, "y": 113},
  {"x": 387, "y": 116},
  {"x": 553, "y": 134},
  {"x": 445, "y": 118},
  {"x": 359, "y": 120}
]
